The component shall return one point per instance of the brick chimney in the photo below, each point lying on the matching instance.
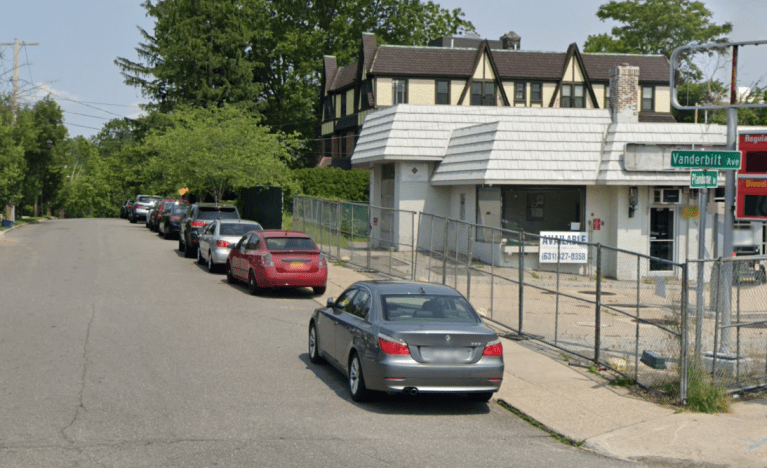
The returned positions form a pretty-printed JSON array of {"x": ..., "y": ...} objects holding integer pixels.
[
  {"x": 511, "y": 41},
  {"x": 624, "y": 93}
]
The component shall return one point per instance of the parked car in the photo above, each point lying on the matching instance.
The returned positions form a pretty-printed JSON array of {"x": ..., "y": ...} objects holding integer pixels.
[
  {"x": 170, "y": 218},
  {"x": 153, "y": 218},
  {"x": 217, "y": 237},
  {"x": 125, "y": 209},
  {"x": 141, "y": 207},
  {"x": 409, "y": 337},
  {"x": 277, "y": 259},
  {"x": 199, "y": 216}
]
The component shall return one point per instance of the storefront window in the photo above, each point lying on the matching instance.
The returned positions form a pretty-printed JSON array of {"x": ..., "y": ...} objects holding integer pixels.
[{"x": 542, "y": 208}]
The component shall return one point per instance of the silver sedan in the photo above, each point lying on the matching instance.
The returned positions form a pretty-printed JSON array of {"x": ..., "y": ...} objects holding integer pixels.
[
  {"x": 408, "y": 337},
  {"x": 216, "y": 238}
]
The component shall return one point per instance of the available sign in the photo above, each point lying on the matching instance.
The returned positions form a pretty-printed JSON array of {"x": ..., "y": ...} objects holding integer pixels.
[
  {"x": 560, "y": 246},
  {"x": 706, "y": 159},
  {"x": 703, "y": 179}
]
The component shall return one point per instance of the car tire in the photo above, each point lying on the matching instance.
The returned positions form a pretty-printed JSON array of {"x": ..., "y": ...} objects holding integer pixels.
[
  {"x": 314, "y": 345},
  {"x": 211, "y": 265},
  {"x": 200, "y": 260},
  {"x": 188, "y": 251},
  {"x": 319, "y": 290},
  {"x": 133, "y": 220},
  {"x": 253, "y": 284},
  {"x": 357, "y": 388},
  {"x": 480, "y": 397},
  {"x": 229, "y": 276},
  {"x": 180, "y": 244}
]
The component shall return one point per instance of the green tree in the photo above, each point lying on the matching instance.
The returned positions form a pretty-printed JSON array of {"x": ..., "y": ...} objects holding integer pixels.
[
  {"x": 12, "y": 163},
  {"x": 40, "y": 130},
  {"x": 87, "y": 190},
  {"x": 218, "y": 150},
  {"x": 266, "y": 55},
  {"x": 656, "y": 27}
]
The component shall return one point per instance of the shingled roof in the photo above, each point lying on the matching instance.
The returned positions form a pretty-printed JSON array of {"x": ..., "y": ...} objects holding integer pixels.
[{"x": 449, "y": 62}]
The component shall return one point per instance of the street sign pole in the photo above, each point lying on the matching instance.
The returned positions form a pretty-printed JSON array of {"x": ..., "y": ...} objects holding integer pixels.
[{"x": 729, "y": 216}]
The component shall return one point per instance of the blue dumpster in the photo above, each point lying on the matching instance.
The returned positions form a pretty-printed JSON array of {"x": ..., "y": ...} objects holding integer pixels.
[{"x": 7, "y": 224}]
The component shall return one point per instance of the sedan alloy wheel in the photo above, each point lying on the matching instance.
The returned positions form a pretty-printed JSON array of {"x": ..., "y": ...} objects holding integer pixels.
[{"x": 357, "y": 386}]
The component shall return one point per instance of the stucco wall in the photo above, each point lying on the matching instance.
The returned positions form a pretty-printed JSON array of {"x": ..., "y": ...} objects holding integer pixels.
[
  {"x": 383, "y": 91},
  {"x": 421, "y": 92}
]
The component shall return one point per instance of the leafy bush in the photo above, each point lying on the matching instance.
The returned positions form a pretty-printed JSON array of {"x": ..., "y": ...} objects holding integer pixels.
[{"x": 333, "y": 183}]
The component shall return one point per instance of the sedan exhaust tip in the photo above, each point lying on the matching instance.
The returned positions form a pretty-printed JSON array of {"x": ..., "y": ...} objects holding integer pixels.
[{"x": 410, "y": 390}]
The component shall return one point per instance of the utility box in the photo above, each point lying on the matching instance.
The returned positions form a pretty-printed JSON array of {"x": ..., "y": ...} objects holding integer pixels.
[{"x": 262, "y": 204}]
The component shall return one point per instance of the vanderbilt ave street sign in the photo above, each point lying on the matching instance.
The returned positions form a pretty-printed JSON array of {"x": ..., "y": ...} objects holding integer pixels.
[{"x": 706, "y": 159}]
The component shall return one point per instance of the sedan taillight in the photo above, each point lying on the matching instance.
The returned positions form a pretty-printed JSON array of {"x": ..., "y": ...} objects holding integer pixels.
[
  {"x": 222, "y": 243},
  {"x": 323, "y": 263},
  {"x": 267, "y": 261},
  {"x": 493, "y": 349},
  {"x": 394, "y": 348},
  {"x": 198, "y": 223}
]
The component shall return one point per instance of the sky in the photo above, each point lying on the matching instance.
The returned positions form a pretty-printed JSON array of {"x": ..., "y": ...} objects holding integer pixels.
[{"x": 78, "y": 42}]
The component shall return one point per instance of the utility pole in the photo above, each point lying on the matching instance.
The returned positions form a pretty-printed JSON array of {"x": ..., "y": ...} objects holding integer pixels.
[
  {"x": 10, "y": 210},
  {"x": 15, "y": 98}
]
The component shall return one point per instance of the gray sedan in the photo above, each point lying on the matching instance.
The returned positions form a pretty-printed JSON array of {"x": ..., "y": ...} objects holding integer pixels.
[
  {"x": 216, "y": 238},
  {"x": 408, "y": 337}
]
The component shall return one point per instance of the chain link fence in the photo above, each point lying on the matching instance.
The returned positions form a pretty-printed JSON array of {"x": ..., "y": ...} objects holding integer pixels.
[
  {"x": 730, "y": 320},
  {"x": 616, "y": 308},
  {"x": 643, "y": 317},
  {"x": 369, "y": 237}
]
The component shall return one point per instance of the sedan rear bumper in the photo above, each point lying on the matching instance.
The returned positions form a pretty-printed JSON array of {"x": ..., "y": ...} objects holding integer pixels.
[
  {"x": 269, "y": 278},
  {"x": 398, "y": 374}
]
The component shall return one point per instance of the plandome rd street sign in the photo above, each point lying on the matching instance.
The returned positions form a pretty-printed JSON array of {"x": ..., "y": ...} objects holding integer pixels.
[
  {"x": 703, "y": 179},
  {"x": 706, "y": 159}
]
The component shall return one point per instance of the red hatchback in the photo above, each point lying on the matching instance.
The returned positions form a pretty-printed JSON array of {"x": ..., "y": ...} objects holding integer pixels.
[{"x": 277, "y": 259}]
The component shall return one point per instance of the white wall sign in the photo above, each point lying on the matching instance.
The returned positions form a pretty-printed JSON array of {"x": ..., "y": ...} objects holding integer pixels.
[
  {"x": 415, "y": 173},
  {"x": 568, "y": 251}
]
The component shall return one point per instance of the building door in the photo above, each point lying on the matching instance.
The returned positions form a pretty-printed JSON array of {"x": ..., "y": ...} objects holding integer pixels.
[{"x": 661, "y": 238}]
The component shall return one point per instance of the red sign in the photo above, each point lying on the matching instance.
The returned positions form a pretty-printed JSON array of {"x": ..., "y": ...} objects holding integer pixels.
[
  {"x": 751, "y": 188},
  {"x": 597, "y": 224}
]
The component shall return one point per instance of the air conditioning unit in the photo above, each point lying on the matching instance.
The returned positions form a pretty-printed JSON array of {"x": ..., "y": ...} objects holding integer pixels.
[{"x": 666, "y": 196}]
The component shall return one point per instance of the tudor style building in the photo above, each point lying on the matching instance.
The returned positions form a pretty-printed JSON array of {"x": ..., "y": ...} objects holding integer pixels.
[{"x": 469, "y": 71}]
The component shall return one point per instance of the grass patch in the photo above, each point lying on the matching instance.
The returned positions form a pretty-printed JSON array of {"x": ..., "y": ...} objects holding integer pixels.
[
  {"x": 622, "y": 382},
  {"x": 30, "y": 220},
  {"x": 703, "y": 395},
  {"x": 593, "y": 369},
  {"x": 540, "y": 426}
]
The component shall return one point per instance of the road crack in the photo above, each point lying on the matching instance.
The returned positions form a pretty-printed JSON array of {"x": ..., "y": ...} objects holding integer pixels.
[{"x": 83, "y": 376}]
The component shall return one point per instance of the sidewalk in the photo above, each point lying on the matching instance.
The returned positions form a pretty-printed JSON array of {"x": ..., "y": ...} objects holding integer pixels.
[{"x": 583, "y": 408}]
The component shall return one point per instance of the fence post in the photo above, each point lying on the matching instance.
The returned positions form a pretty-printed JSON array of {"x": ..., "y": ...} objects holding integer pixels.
[
  {"x": 492, "y": 273},
  {"x": 556, "y": 311},
  {"x": 455, "y": 266},
  {"x": 636, "y": 343},
  {"x": 413, "y": 244},
  {"x": 468, "y": 261},
  {"x": 521, "y": 266},
  {"x": 338, "y": 231},
  {"x": 444, "y": 254},
  {"x": 431, "y": 246},
  {"x": 598, "y": 317},
  {"x": 322, "y": 228},
  {"x": 351, "y": 235},
  {"x": 685, "y": 337},
  {"x": 415, "y": 259},
  {"x": 370, "y": 232},
  {"x": 303, "y": 214},
  {"x": 699, "y": 308}
]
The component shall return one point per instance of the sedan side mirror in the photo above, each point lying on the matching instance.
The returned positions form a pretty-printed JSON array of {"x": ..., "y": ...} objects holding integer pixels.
[{"x": 330, "y": 303}]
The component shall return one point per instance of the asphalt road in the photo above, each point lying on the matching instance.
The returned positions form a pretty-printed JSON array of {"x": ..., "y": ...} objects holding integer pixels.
[{"x": 116, "y": 351}]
